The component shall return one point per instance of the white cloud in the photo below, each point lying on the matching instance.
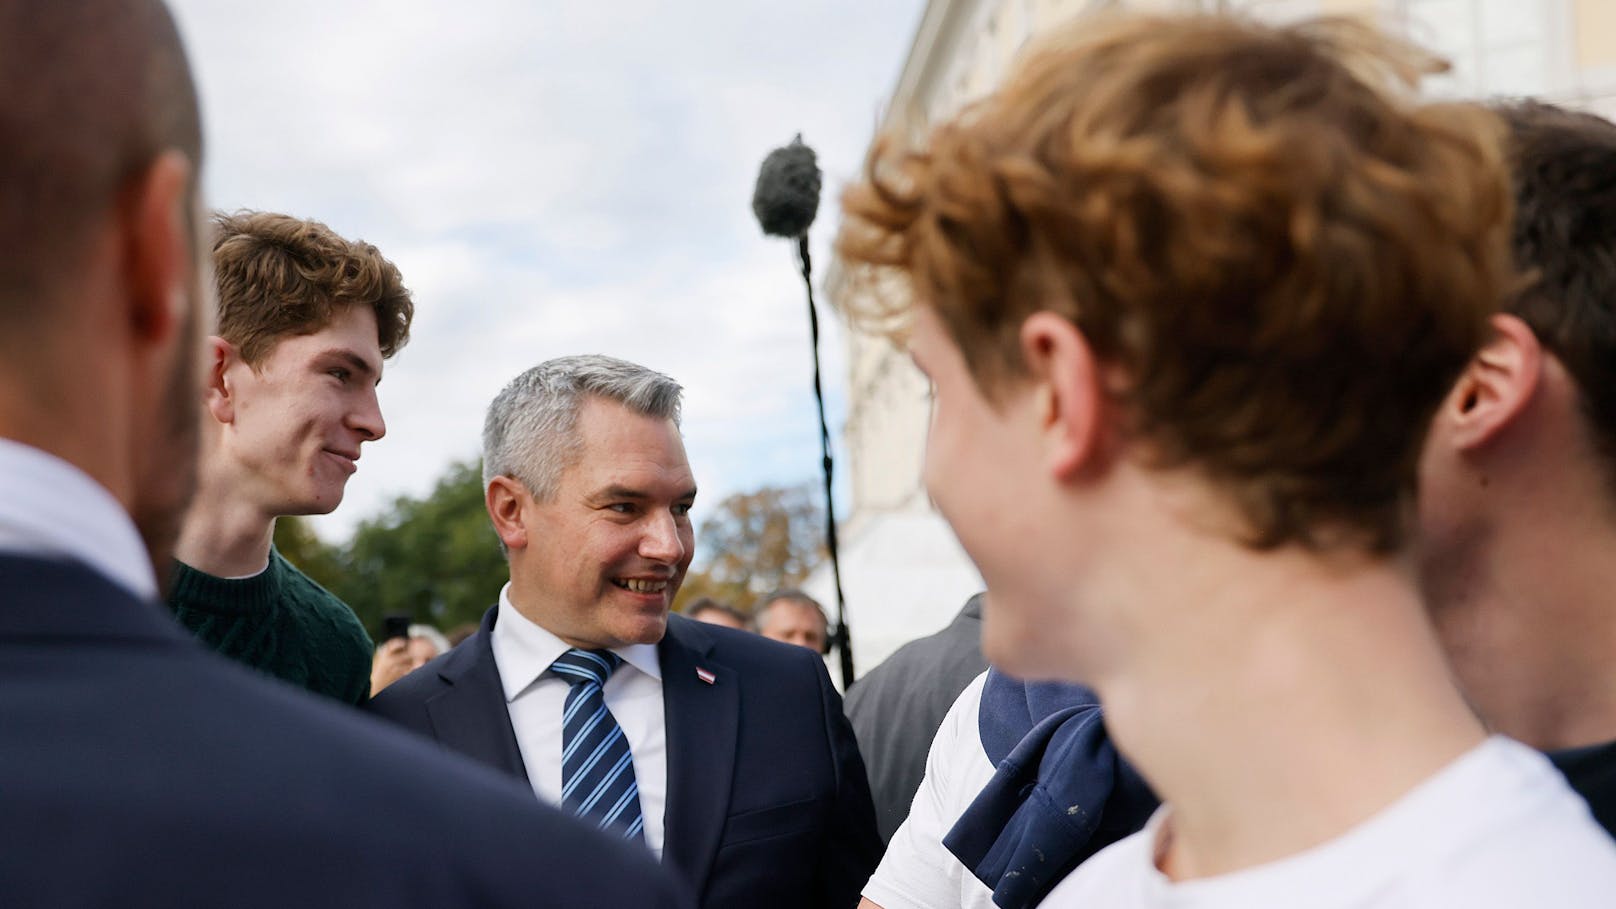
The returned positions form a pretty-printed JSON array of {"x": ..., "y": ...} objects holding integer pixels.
[{"x": 558, "y": 178}]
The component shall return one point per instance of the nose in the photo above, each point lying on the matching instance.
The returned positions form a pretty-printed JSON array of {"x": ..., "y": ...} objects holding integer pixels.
[
  {"x": 366, "y": 417},
  {"x": 661, "y": 541}
]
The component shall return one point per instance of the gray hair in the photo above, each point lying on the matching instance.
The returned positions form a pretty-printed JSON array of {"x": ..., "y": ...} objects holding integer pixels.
[
  {"x": 531, "y": 430},
  {"x": 428, "y": 633},
  {"x": 786, "y": 595}
]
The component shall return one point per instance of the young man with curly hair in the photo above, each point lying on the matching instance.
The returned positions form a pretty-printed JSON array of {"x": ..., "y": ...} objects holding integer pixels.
[
  {"x": 305, "y": 320},
  {"x": 1189, "y": 291}
]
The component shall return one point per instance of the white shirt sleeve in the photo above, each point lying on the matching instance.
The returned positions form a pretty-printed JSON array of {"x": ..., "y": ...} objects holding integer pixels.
[{"x": 918, "y": 871}]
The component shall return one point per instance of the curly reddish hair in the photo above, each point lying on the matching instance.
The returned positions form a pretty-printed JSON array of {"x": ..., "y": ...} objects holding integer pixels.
[
  {"x": 279, "y": 275},
  {"x": 1288, "y": 257}
]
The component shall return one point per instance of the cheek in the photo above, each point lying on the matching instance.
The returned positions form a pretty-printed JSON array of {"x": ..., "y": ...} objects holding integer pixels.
[
  {"x": 687, "y": 538},
  {"x": 938, "y": 465},
  {"x": 617, "y": 548},
  {"x": 960, "y": 464}
]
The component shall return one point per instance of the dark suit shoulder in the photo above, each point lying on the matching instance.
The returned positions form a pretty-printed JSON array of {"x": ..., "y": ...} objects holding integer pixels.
[{"x": 156, "y": 773}]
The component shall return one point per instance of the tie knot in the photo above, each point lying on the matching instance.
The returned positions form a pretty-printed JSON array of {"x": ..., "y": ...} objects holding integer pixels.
[{"x": 579, "y": 666}]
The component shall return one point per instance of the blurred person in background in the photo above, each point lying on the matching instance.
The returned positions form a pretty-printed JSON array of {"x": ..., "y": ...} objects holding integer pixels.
[
  {"x": 897, "y": 707},
  {"x": 707, "y": 609},
  {"x": 398, "y": 657},
  {"x": 793, "y": 617}
]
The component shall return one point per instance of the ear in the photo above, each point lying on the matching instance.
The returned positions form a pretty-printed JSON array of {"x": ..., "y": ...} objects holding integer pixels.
[
  {"x": 506, "y": 499},
  {"x": 1495, "y": 388},
  {"x": 217, "y": 392},
  {"x": 1068, "y": 395},
  {"x": 158, "y": 242}
]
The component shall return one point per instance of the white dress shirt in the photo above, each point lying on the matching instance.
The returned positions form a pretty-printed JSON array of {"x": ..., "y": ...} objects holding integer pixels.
[
  {"x": 536, "y": 699},
  {"x": 50, "y": 508}
]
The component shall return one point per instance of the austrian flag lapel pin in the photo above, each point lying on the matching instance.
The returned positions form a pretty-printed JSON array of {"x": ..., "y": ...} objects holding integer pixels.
[{"x": 706, "y": 675}]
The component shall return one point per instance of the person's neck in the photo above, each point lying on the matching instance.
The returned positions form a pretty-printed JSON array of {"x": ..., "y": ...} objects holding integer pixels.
[
  {"x": 71, "y": 418},
  {"x": 224, "y": 535},
  {"x": 1276, "y": 700},
  {"x": 1531, "y": 627}
]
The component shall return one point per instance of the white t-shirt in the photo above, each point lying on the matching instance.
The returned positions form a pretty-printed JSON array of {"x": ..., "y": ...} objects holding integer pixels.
[
  {"x": 1498, "y": 827},
  {"x": 918, "y": 871}
]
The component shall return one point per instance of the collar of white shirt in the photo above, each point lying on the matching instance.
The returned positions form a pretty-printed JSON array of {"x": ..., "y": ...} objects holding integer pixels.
[
  {"x": 526, "y": 650},
  {"x": 49, "y": 507}
]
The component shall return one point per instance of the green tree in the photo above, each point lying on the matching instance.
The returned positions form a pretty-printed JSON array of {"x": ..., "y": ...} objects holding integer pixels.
[
  {"x": 435, "y": 559},
  {"x": 755, "y": 542},
  {"x": 298, "y": 542}
]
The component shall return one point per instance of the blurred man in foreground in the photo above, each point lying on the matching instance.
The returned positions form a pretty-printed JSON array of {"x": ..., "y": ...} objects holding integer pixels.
[
  {"x": 139, "y": 768},
  {"x": 1189, "y": 291}
]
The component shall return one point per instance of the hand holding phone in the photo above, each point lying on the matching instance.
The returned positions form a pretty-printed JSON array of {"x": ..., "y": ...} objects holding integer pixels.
[{"x": 396, "y": 625}]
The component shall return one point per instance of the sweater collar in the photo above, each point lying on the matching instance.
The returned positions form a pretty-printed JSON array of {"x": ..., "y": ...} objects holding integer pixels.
[{"x": 204, "y": 592}]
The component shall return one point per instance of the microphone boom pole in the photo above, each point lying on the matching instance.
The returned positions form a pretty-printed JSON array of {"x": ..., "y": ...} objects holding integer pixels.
[{"x": 785, "y": 201}]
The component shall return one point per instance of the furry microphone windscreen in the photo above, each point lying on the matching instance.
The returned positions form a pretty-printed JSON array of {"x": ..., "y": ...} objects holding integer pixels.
[{"x": 787, "y": 194}]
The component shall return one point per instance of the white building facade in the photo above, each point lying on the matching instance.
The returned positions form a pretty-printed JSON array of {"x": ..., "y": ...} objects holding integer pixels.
[{"x": 903, "y": 573}]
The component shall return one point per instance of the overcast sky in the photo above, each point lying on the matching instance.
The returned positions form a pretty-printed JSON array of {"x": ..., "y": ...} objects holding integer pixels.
[{"x": 558, "y": 178}]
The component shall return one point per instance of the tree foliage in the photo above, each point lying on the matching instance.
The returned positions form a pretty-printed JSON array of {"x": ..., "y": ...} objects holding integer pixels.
[
  {"x": 298, "y": 542},
  {"x": 435, "y": 559},
  {"x": 755, "y": 542}
]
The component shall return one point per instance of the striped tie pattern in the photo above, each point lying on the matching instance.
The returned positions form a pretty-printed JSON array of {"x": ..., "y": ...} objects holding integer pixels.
[{"x": 597, "y": 770}]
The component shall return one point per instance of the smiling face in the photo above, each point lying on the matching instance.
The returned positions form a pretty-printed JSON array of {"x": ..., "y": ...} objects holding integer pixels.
[
  {"x": 600, "y": 561},
  {"x": 296, "y": 422}
]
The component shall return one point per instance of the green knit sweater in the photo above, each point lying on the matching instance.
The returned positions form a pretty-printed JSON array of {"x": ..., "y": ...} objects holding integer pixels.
[{"x": 281, "y": 622}]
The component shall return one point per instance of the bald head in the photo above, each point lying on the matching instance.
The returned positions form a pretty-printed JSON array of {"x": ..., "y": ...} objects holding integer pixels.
[
  {"x": 101, "y": 298},
  {"x": 91, "y": 92}
]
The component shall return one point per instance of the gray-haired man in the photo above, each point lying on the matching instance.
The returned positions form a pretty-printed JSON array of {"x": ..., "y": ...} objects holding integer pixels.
[{"x": 580, "y": 680}]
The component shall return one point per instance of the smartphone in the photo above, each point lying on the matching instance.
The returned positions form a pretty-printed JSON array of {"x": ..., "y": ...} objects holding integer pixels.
[{"x": 395, "y": 626}]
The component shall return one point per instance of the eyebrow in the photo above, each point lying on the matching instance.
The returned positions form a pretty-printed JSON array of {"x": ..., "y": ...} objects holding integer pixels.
[
  {"x": 360, "y": 364},
  {"x": 625, "y": 492}
]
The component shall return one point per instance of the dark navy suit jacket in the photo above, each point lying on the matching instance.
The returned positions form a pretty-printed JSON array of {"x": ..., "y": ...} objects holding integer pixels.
[
  {"x": 768, "y": 806},
  {"x": 139, "y": 769}
]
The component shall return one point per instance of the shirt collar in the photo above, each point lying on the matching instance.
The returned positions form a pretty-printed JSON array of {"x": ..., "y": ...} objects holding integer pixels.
[
  {"x": 524, "y": 650},
  {"x": 50, "y": 507}
]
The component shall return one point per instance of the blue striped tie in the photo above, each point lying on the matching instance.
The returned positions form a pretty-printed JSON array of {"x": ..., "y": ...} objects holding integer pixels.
[{"x": 597, "y": 770}]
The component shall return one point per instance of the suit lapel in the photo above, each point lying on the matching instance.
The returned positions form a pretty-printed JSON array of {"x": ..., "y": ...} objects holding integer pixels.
[
  {"x": 702, "y": 719},
  {"x": 469, "y": 715}
]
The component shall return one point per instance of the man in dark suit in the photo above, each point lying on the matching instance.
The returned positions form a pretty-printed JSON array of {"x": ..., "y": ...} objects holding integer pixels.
[
  {"x": 136, "y": 767},
  {"x": 724, "y": 753}
]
